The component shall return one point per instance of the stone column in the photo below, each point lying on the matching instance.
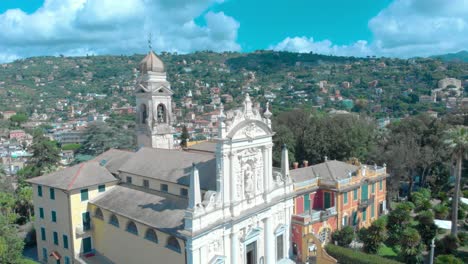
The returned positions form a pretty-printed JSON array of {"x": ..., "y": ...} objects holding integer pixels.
[
  {"x": 234, "y": 247},
  {"x": 232, "y": 178},
  {"x": 269, "y": 250},
  {"x": 266, "y": 178},
  {"x": 204, "y": 254}
]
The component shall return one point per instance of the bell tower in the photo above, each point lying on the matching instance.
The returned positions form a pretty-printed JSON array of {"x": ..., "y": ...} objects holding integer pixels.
[{"x": 154, "y": 105}]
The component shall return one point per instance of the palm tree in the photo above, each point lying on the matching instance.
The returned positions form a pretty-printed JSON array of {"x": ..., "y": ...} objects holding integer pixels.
[{"x": 457, "y": 140}]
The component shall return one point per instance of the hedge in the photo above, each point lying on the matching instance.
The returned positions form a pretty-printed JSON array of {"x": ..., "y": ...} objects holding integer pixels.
[{"x": 350, "y": 256}]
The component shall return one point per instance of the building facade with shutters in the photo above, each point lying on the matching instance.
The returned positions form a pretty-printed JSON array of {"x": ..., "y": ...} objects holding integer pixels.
[{"x": 331, "y": 195}]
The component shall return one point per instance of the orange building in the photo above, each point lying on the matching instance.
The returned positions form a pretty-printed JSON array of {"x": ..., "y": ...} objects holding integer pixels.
[{"x": 331, "y": 195}]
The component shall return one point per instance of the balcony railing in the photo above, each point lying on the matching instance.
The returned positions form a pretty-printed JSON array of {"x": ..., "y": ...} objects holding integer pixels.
[
  {"x": 81, "y": 230},
  {"x": 365, "y": 203}
]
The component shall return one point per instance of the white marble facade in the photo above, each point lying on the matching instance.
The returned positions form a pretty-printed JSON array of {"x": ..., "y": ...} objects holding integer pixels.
[{"x": 247, "y": 219}]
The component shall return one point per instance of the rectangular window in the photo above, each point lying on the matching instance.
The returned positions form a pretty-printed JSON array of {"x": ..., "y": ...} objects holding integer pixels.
[
  {"x": 372, "y": 211},
  {"x": 146, "y": 183},
  {"x": 41, "y": 212},
  {"x": 129, "y": 179},
  {"x": 373, "y": 188},
  {"x": 44, "y": 254},
  {"x": 67, "y": 260},
  {"x": 183, "y": 192},
  {"x": 54, "y": 216},
  {"x": 52, "y": 193},
  {"x": 380, "y": 185},
  {"x": 55, "y": 238},
  {"x": 306, "y": 203},
  {"x": 164, "y": 187},
  {"x": 43, "y": 234},
  {"x": 57, "y": 261},
  {"x": 355, "y": 194},
  {"x": 279, "y": 247},
  {"x": 84, "y": 195},
  {"x": 327, "y": 200},
  {"x": 345, "y": 197},
  {"x": 65, "y": 241},
  {"x": 39, "y": 191},
  {"x": 102, "y": 188},
  {"x": 355, "y": 219},
  {"x": 86, "y": 221},
  {"x": 364, "y": 215}
]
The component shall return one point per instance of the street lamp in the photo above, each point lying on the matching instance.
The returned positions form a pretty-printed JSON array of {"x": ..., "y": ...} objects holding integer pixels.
[{"x": 431, "y": 258}]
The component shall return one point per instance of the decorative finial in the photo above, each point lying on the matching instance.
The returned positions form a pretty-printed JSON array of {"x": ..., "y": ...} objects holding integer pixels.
[
  {"x": 267, "y": 113},
  {"x": 326, "y": 158},
  {"x": 221, "y": 111}
]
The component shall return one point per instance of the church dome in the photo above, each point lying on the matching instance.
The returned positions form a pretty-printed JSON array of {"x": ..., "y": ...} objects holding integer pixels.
[{"x": 151, "y": 63}]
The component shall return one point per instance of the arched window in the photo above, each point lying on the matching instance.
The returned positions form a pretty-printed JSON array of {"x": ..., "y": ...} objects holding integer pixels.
[
  {"x": 132, "y": 228},
  {"x": 114, "y": 221},
  {"x": 161, "y": 111},
  {"x": 173, "y": 244},
  {"x": 144, "y": 113},
  {"x": 98, "y": 214},
  {"x": 151, "y": 235}
]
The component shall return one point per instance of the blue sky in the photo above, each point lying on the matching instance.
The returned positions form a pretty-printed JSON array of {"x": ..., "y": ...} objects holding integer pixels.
[{"x": 395, "y": 28}]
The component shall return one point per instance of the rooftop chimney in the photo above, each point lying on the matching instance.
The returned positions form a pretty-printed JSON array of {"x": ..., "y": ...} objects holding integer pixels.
[{"x": 295, "y": 165}]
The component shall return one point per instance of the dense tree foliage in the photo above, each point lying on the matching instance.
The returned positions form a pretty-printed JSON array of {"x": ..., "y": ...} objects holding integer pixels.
[
  {"x": 101, "y": 137},
  {"x": 312, "y": 136}
]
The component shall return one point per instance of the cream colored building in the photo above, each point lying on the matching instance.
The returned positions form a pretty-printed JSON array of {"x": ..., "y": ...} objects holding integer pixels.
[{"x": 217, "y": 202}]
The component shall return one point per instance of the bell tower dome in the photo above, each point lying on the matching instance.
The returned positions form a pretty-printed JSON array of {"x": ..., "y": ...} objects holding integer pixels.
[{"x": 154, "y": 105}]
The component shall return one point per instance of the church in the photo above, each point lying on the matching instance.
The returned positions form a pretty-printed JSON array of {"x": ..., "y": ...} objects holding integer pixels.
[{"x": 216, "y": 202}]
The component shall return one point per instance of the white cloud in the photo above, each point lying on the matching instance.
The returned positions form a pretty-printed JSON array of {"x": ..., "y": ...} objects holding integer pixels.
[
  {"x": 406, "y": 28},
  {"x": 77, "y": 27},
  {"x": 304, "y": 44}
]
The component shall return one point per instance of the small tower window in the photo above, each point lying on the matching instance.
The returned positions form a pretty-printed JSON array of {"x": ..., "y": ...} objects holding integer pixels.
[
  {"x": 144, "y": 113},
  {"x": 161, "y": 113}
]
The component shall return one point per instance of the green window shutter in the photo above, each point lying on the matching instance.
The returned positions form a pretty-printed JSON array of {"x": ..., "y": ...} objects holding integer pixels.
[
  {"x": 327, "y": 200},
  {"x": 52, "y": 193},
  {"x": 355, "y": 194},
  {"x": 86, "y": 221},
  {"x": 345, "y": 197},
  {"x": 372, "y": 211},
  {"x": 84, "y": 195},
  {"x": 54, "y": 216},
  {"x": 354, "y": 218},
  {"x": 373, "y": 188},
  {"x": 43, "y": 234},
  {"x": 41, "y": 213},
  {"x": 67, "y": 260},
  {"x": 65, "y": 241},
  {"x": 380, "y": 185},
  {"x": 39, "y": 191},
  {"x": 364, "y": 191},
  {"x": 306, "y": 203},
  {"x": 56, "y": 238},
  {"x": 364, "y": 214},
  {"x": 102, "y": 188}
]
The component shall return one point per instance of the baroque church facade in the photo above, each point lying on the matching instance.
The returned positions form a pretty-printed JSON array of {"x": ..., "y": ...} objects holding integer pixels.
[{"x": 216, "y": 202}]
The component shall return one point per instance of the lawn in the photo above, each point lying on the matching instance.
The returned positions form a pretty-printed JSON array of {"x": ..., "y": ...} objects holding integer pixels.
[{"x": 386, "y": 252}]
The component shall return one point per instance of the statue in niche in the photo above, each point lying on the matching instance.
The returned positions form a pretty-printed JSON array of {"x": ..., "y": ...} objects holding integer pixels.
[
  {"x": 248, "y": 181},
  {"x": 161, "y": 114}
]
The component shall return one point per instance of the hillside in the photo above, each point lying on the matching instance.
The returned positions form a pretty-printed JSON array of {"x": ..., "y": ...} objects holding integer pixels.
[
  {"x": 461, "y": 56},
  {"x": 378, "y": 86}
]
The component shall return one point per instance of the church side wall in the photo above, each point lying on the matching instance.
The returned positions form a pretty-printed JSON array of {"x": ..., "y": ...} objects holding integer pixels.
[{"x": 121, "y": 246}]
